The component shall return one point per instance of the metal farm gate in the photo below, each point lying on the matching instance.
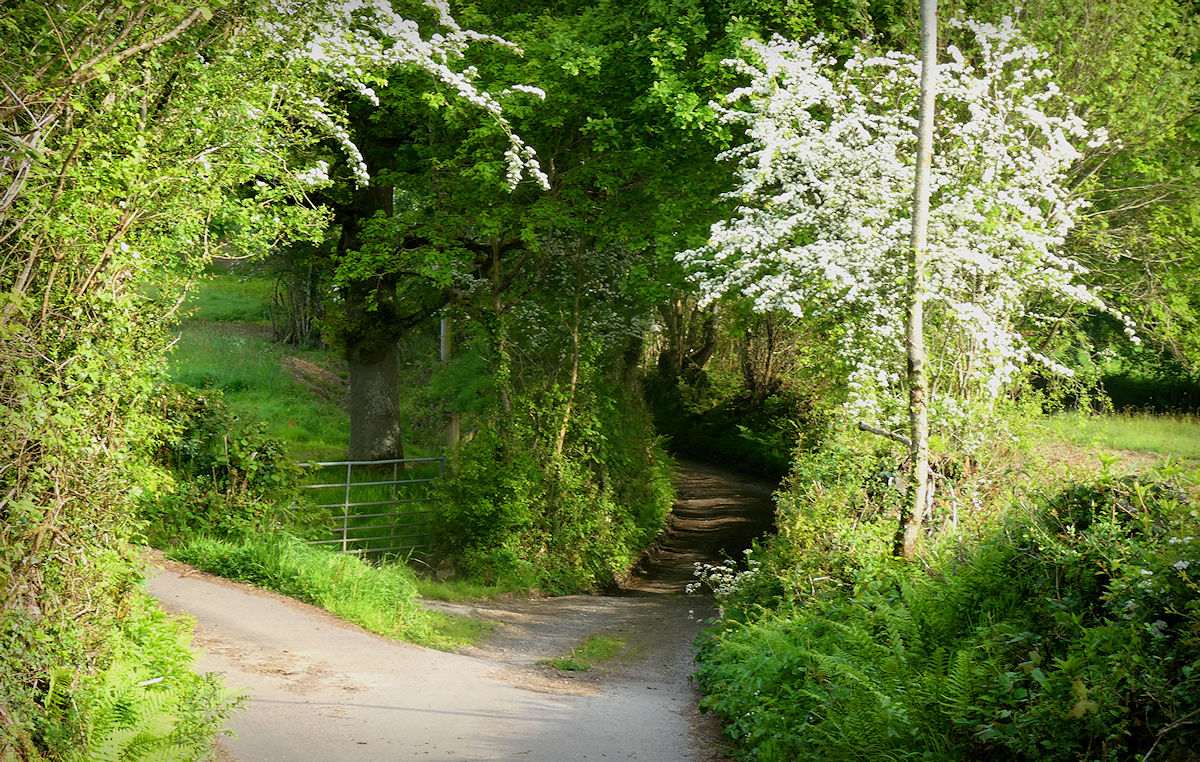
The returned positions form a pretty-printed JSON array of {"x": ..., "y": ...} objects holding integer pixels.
[{"x": 377, "y": 514}]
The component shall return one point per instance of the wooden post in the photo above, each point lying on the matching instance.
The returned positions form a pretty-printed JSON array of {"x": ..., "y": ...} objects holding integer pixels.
[{"x": 445, "y": 344}]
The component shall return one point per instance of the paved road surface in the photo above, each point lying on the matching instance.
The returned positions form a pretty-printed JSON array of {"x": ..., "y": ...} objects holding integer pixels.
[{"x": 321, "y": 689}]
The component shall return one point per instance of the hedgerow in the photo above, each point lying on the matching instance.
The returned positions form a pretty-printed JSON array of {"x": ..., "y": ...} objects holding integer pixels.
[{"x": 1070, "y": 631}]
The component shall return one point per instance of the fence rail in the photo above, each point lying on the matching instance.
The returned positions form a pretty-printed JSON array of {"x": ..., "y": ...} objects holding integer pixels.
[{"x": 393, "y": 531}]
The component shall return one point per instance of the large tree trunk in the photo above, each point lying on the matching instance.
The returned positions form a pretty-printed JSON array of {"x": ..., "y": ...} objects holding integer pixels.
[
  {"x": 369, "y": 342},
  {"x": 375, "y": 432},
  {"x": 918, "y": 407}
]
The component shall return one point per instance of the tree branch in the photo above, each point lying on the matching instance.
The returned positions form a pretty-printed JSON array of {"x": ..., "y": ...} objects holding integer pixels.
[
  {"x": 864, "y": 426},
  {"x": 130, "y": 52}
]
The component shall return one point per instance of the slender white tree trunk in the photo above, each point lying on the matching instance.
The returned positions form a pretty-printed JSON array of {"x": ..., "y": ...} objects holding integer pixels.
[{"x": 918, "y": 403}]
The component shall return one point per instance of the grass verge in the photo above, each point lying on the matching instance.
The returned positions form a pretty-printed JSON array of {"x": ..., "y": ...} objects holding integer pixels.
[
  {"x": 1170, "y": 435},
  {"x": 382, "y": 599}
]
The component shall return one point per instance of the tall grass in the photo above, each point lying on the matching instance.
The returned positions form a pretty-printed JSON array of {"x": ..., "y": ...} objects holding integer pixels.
[
  {"x": 382, "y": 599},
  {"x": 1168, "y": 435}
]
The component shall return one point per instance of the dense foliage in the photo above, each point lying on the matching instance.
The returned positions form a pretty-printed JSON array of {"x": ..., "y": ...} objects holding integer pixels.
[
  {"x": 548, "y": 295},
  {"x": 1070, "y": 631},
  {"x": 116, "y": 153},
  {"x": 224, "y": 476},
  {"x": 520, "y": 512},
  {"x": 138, "y": 138},
  {"x": 530, "y": 191}
]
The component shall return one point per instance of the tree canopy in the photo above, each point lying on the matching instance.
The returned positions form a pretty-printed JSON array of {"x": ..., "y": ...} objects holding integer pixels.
[{"x": 823, "y": 220}]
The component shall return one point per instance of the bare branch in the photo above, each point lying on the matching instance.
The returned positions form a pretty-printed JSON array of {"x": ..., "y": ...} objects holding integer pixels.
[
  {"x": 864, "y": 426},
  {"x": 128, "y": 53}
]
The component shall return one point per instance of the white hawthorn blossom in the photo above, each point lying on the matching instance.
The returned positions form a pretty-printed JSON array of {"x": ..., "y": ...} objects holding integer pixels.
[
  {"x": 314, "y": 176},
  {"x": 355, "y": 42},
  {"x": 824, "y": 190}
]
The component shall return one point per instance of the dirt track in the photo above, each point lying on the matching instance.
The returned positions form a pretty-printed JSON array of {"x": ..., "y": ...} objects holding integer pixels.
[{"x": 320, "y": 689}]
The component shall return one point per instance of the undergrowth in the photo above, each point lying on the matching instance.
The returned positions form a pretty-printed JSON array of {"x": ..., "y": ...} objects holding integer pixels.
[
  {"x": 518, "y": 515},
  {"x": 713, "y": 421},
  {"x": 1067, "y": 629},
  {"x": 139, "y": 699},
  {"x": 221, "y": 474},
  {"x": 382, "y": 599},
  {"x": 148, "y": 704}
]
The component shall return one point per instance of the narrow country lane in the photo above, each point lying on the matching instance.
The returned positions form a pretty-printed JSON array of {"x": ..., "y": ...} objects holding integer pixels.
[{"x": 321, "y": 689}]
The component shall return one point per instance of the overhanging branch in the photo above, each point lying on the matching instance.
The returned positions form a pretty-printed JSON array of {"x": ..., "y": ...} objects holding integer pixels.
[{"x": 864, "y": 426}]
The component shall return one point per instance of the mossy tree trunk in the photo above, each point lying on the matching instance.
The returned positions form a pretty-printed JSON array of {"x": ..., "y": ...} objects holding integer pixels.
[{"x": 370, "y": 332}]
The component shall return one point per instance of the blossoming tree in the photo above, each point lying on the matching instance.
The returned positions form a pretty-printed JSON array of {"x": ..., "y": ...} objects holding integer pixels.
[
  {"x": 130, "y": 132},
  {"x": 823, "y": 223}
]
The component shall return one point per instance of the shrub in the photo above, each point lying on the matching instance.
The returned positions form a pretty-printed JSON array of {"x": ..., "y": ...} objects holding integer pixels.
[
  {"x": 227, "y": 476},
  {"x": 1071, "y": 632},
  {"x": 148, "y": 704},
  {"x": 519, "y": 513}
]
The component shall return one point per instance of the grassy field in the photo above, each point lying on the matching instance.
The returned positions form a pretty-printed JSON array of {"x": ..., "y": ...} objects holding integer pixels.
[
  {"x": 287, "y": 390},
  {"x": 1175, "y": 436},
  {"x": 227, "y": 296},
  {"x": 225, "y": 344}
]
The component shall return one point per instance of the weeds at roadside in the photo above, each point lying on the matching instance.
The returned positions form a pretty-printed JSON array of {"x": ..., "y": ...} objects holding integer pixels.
[
  {"x": 382, "y": 599},
  {"x": 1064, "y": 623},
  {"x": 595, "y": 648}
]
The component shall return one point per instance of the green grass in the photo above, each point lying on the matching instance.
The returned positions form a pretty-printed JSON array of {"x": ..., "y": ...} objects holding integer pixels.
[
  {"x": 595, "y": 648},
  {"x": 382, "y": 599},
  {"x": 229, "y": 296},
  {"x": 1168, "y": 435},
  {"x": 251, "y": 372},
  {"x": 225, "y": 344},
  {"x": 454, "y": 631}
]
